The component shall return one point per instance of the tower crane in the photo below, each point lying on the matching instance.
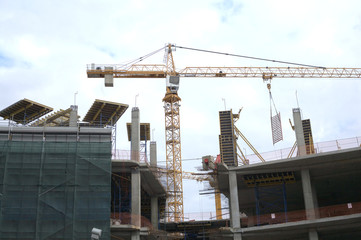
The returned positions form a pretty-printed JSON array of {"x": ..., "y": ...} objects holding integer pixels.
[{"x": 171, "y": 100}]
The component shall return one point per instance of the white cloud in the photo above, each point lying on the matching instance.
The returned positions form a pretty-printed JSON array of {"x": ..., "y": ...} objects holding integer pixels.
[{"x": 29, "y": 50}]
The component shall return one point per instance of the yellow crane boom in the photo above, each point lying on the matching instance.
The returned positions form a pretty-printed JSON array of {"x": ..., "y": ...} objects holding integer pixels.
[{"x": 160, "y": 71}]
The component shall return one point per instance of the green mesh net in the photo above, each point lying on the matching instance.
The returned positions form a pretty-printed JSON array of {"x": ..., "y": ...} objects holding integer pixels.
[{"x": 54, "y": 190}]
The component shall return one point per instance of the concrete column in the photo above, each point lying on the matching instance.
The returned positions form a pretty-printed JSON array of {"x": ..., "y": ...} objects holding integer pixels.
[
  {"x": 300, "y": 138},
  {"x": 154, "y": 200},
  {"x": 309, "y": 195},
  {"x": 135, "y": 135},
  {"x": 73, "y": 118},
  {"x": 135, "y": 235},
  {"x": 136, "y": 197},
  {"x": 233, "y": 200},
  {"x": 237, "y": 236},
  {"x": 154, "y": 211},
  {"x": 312, "y": 234},
  {"x": 153, "y": 154}
]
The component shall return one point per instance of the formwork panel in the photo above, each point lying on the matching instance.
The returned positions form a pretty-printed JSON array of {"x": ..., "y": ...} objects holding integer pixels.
[
  {"x": 307, "y": 132},
  {"x": 227, "y": 145}
]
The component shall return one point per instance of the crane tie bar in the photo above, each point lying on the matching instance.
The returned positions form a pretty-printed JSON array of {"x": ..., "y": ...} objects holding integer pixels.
[{"x": 242, "y": 56}]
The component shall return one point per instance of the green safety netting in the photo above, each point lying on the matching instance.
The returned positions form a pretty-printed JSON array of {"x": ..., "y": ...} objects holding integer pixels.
[{"x": 54, "y": 190}]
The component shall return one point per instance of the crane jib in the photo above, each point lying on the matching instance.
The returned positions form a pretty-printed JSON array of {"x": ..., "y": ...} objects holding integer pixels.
[{"x": 152, "y": 71}]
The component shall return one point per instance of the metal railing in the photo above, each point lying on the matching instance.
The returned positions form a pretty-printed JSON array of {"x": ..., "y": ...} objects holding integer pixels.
[
  {"x": 130, "y": 155},
  {"x": 320, "y": 147},
  {"x": 282, "y": 217},
  {"x": 14, "y": 124}
]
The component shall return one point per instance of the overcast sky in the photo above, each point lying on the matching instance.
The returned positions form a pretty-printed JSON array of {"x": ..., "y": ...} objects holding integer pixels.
[{"x": 45, "y": 46}]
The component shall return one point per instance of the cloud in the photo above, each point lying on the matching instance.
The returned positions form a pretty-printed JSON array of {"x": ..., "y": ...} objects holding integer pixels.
[{"x": 229, "y": 9}]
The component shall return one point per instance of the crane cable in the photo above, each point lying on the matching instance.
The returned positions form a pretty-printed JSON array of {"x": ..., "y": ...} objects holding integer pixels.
[
  {"x": 275, "y": 120},
  {"x": 137, "y": 60},
  {"x": 271, "y": 99},
  {"x": 249, "y": 57}
]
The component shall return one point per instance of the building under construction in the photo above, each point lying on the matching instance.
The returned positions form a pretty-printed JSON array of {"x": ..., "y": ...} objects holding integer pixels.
[{"x": 61, "y": 177}]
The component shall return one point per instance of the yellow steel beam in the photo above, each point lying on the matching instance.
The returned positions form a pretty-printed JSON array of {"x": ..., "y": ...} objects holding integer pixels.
[
  {"x": 242, "y": 157},
  {"x": 114, "y": 113},
  {"x": 36, "y": 113},
  {"x": 249, "y": 144},
  {"x": 98, "y": 112},
  {"x": 19, "y": 110},
  {"x": 292, "y": 150},
  {"x": 217, "y": 199}
]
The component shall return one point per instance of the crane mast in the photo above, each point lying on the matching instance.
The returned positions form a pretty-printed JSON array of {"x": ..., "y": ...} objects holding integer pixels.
[{"x": 173, "y": 142}]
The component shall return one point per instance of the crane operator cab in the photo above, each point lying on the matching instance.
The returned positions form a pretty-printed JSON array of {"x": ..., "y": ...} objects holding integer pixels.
[{"x": 172, "y": 83}]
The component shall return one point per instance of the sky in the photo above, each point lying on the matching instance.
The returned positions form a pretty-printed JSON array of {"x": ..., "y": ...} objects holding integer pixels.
[{"x": 45, "y": 47}]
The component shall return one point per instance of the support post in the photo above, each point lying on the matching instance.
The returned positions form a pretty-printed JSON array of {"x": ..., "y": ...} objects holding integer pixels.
[
  {"x": 154, "y": 200},
  {"x": 154, "y": 212},
  {"x": 258, "y": 211},
  {"x": 312, "y": 234},
  {"x": 233, "y": 201},
  {"x": 309, "y": 194},
  {"x": 153, "y": 154},
  {"x": 135, "y": 135},
  {"x": 285, "y": 200},
  {"x": 136, "y": 197},
  {"x": 237, "y": 236},
  {"x": 135, "y": 235},
  {"x": 73, "y": 119}
]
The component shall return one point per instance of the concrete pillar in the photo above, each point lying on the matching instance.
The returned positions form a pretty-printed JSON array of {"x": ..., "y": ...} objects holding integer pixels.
[
  {"x": 312, "y": 234},
  {"x": 154, "y": 211},
  {"x": 300, "y": 138},
  {"x": 73, "y": 118},
  {"x": 309, "y": 195},
  {"x": 136, "y": 197},
  {"x": 154, "y": 200},
  {"x": 135, "y": 135},
  {"x": 233, "y": 200},
  {"x": 153, "y": 154},
  {"x": 135, "y": 235},
  {"x": 237, "y": 236}
]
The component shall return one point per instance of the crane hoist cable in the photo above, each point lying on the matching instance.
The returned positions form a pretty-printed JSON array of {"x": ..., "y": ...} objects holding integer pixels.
[
  {"x": 271, "y": 99},
  {"x": 275, "y": 120}
]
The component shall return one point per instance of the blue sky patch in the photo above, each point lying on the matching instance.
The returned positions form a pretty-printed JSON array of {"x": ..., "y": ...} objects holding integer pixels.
[{"x": 5, "y": 61}]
